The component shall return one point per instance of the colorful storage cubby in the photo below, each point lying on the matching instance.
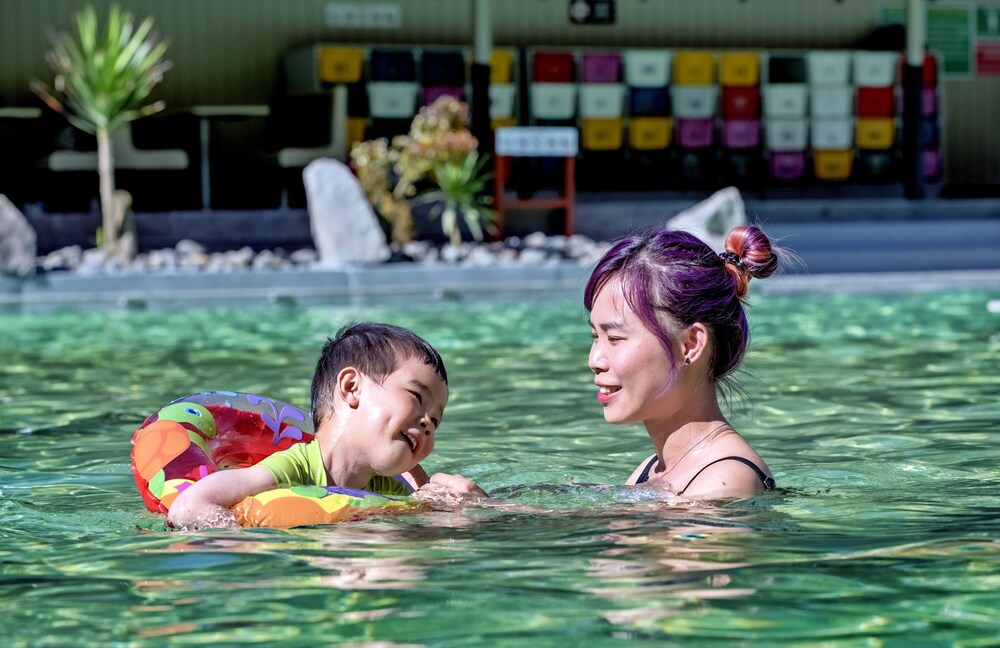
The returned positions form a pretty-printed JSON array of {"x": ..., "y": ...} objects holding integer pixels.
[
  {"x": 694, "y": 101},
  {"x": 874, "y": 167},
  {"x": 600, "y": 67},
  {"x": 876, "y": 102},
  {"x": 649, "y": 102},
  {"x": 442, "y": 68},
  {"x": 601, "y": 134},
  {"x": 787, "y": 134},
  {"x": 740, "y": 102},
  {"x": 695, "y": 133},
  {"x": 785, "y": 100},
  {"x": 832, "y": 133},
  {"x": 829, "y": 69},
  {"x": 553, "y": 101},
  {"x": 875, "y": 69},
  {"x": 340, "y": 64},
  {"x": 647, "y": 68},
  {"x": 392, "y": 65},
  {"x": 741, "y": 133},
  {"x": 650, "y": 133},
  {"x": 694, "y": 68},
  {"x": 832, "y": 165},
  {"x": 429, "y": 94},
  {"x": 601, "y": 99},
  {"x": 501, "y": 66},
  {"x": 552, "y": 67},
  {"x": 392, "y": 99},
  {"x": 787, "y": 166},
  {"x": 739, "y": 69},
  {"x": 786, "y": 69},
  {"x": 831, "y": 101},
  {"x": 875, "y": 133}
]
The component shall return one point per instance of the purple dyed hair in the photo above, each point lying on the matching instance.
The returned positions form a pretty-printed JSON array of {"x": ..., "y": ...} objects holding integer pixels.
[{"x": 675, "y": 274}]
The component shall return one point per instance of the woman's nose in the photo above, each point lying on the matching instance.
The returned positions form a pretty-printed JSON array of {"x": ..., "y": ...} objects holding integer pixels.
[{"x": 596, "y": 359}]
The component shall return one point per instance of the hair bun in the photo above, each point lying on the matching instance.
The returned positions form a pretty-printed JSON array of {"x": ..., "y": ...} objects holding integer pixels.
[{"x": 749, "y": 252}]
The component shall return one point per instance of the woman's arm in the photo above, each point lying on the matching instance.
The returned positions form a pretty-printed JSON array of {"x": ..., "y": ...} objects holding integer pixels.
[{"x": 206, "y": 503}]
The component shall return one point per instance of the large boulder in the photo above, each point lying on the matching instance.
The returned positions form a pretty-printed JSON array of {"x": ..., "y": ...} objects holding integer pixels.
[
  {"x": 17, "y": 241},
  {"x": 713, "y": 218},
  {"x": 345, "y": 229}
]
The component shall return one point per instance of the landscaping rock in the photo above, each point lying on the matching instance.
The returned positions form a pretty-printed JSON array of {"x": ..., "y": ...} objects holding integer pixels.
[
  {"x": 345, "y": 229},
  {"x": 17, "y": 241}
]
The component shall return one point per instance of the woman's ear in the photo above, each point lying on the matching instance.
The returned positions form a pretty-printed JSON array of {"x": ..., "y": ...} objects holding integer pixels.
[
  {"x": 349, "y": 386},
  {"x": 694, "y": 343}
]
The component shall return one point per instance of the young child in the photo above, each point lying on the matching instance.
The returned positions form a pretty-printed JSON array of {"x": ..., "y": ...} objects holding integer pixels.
[{"x": 378, "y": 396}]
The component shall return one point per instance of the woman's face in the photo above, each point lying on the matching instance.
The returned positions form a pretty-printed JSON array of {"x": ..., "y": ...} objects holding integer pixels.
[{"x": 630, "y": 367}]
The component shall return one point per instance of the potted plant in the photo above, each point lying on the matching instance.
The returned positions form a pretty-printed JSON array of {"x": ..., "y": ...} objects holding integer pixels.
[{"x": 438, "y": 164}]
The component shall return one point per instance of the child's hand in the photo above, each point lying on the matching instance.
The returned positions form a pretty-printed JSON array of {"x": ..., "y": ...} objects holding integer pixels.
[
  {"x": 448, "y": 492},
  {"x": 458, "y": 484}
]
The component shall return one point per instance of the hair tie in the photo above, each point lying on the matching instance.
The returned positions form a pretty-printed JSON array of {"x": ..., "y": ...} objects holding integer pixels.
[{"x": 733, "y": 259}]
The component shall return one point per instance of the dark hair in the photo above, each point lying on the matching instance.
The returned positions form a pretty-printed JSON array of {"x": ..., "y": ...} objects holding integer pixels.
[
  {"x": 376, "y": 350},
  {"x": 674, "y": 273}
]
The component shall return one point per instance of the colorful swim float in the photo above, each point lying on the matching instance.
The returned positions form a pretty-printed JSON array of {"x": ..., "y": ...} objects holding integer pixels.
[{"x": 197, "y": 435}]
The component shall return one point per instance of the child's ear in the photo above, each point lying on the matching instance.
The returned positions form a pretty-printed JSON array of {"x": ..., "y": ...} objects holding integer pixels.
[{"x": 349, "y": 386}]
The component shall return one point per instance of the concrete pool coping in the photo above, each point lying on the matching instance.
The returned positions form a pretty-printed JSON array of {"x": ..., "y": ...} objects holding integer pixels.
[{"x": 400, "y": 284}]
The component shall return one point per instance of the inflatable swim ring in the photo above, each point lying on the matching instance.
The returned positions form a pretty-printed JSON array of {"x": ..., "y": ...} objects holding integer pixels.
[{"x": 199, "y": 434}]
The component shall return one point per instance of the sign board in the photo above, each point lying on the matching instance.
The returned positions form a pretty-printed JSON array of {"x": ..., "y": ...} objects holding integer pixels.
[
  {"x": 537, "y": 141},
  {"x": 988, "y": 22},
  {"x": 352, "y": 15},
  {"x": 988, "y": 43},
  {"x": 949, "y": 34},
  {"x": 988, "y": 58},
  {"x": 592, "y": 12}
]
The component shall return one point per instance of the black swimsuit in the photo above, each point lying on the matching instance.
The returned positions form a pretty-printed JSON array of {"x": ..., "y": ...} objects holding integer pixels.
[{"x": 767, "y": 481}]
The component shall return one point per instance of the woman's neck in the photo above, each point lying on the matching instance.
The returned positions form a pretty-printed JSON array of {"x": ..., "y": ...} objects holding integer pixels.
[{"x": 679, "y": 433}]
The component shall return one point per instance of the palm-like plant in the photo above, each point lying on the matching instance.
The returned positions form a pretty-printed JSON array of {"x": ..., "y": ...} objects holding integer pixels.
[
  {"x": 100, "y": 84},
  {"x": 461, "y": 191}
]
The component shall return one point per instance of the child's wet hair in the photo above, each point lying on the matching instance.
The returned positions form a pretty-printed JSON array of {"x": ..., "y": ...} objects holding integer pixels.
[{"x": 376, "y": 350}]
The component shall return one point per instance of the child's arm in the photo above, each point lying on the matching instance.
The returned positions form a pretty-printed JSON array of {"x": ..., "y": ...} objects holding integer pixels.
[
  {"x": 416, "y": 477},
  {"x": 206, "y": 502}
]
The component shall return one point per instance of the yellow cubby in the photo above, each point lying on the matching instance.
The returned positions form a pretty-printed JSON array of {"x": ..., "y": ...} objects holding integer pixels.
[
  {"x": 739, "y": 69},
  {"x": 833, "y": 164},
  {"x": 356, "y": 127},
  {"x": 601, "y": 133},
  {"x": 875, "y": 133},
  {"x": 650, "y": 133},
  {"x": 501, "y": 64},
  {"x": 502, "y": 122},
  {"x": 340, "y": 64},
  {"x": 694, "y": 68}
]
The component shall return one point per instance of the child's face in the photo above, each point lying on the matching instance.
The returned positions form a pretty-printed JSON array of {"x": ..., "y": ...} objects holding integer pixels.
[{"x": 402, "y": 415}]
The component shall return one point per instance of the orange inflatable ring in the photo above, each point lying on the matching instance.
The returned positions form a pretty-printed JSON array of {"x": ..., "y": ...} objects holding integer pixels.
[{"x": 199, "y": 434}]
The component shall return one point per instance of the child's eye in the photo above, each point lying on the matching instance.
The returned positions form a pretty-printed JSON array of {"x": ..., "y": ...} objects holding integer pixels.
[
  {"x": 420, "y": 399},
  {"x": 435, "y": 422}
]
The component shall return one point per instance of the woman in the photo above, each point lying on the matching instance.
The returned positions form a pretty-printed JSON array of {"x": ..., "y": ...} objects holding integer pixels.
[{"x": 666, "y": 314}]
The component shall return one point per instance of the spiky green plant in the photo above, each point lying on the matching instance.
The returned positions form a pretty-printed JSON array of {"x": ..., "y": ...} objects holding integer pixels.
[
  {"x": 101, "y": 83},
  {"x": 461, "y": 191}
]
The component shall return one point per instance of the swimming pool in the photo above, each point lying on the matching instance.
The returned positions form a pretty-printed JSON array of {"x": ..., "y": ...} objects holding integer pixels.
[{"x": 877, "y": 413}]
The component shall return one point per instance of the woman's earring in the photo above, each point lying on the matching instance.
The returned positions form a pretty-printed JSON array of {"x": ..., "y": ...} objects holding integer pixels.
[{"x": 687, "y": 360}]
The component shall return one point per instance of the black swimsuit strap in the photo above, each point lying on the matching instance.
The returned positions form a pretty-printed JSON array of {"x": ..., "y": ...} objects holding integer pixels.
[
  {"x": 767, "y": 481},
  {"x": 645, "y": 472}
]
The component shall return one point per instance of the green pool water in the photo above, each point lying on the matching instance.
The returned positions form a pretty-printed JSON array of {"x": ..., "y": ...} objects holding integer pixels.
[{"x": 879, "y": 415}]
